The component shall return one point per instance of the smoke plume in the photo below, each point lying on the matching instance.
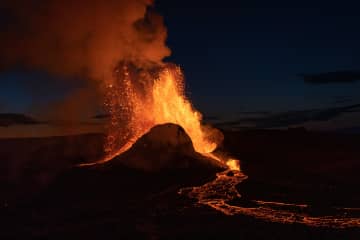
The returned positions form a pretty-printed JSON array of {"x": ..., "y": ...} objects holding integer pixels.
[
  {"x": 84, "y": 39},
  {"x": 81, "y": 37}
]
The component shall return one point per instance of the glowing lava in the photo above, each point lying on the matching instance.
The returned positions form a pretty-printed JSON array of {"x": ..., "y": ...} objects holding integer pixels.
[
  {"x": 170, "y": 105},
  {"x": 233, "y": 164},
  {"x": 219, "y": 194}
]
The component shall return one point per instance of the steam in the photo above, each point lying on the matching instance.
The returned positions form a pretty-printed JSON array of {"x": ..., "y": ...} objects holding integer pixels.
[{"x": 81, "y": 39}]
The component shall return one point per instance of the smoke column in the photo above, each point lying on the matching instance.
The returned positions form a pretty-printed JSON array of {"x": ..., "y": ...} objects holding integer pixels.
[{"x": 80, "y": 39}]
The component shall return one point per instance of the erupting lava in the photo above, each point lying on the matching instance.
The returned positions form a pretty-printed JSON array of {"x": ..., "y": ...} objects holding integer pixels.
[
  {"x": 139, "y": 99},
  {"x": 170, "y": 105}
]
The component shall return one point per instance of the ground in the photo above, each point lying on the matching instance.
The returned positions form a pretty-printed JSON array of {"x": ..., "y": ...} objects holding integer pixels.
[{"x": 44, "y": 196}]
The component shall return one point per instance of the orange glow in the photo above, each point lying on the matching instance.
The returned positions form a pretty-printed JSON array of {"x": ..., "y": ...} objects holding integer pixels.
[
  {"x": 233, "y": 164},
  {"x": 137, "y": 106}
]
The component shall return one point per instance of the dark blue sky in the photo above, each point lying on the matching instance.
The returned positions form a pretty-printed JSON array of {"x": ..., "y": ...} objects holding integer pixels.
[
  {"x": 243, "y": 56},
  {"x": 26, "y": 91},
  {"x": 246, "y": 55}
]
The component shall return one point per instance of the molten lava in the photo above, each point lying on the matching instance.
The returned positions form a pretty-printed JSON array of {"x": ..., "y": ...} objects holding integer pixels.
[
  {"x": 233, "y": 164},
  {"x": 170, "y": 105},
  {"x": 139, "y": 99}
]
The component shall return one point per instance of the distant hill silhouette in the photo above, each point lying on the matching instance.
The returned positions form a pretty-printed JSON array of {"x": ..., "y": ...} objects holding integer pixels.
[{"x": 8, "y": 119}]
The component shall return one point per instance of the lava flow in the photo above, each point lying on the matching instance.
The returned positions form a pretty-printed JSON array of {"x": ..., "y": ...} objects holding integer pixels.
[{"x": 219, "y": 194}]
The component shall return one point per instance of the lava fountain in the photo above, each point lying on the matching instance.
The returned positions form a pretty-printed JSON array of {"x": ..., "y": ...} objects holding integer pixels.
[{"x": 140, "y": 98}]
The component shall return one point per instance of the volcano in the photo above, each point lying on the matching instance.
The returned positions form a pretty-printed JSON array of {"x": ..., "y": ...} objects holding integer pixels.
[
  {"x": 164, "y": 155},
  {"x": 164, "y": 147}
]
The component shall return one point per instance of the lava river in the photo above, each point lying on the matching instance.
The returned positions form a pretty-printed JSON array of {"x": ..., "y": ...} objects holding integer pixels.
[{"x": 219, "y": 193}]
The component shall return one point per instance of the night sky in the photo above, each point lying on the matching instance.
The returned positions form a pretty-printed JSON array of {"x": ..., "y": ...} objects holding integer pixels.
[{"x": 242, "y": 58}]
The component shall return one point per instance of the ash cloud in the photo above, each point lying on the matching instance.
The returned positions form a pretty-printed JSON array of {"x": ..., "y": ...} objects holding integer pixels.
[{"x": 80, "y": 39}]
